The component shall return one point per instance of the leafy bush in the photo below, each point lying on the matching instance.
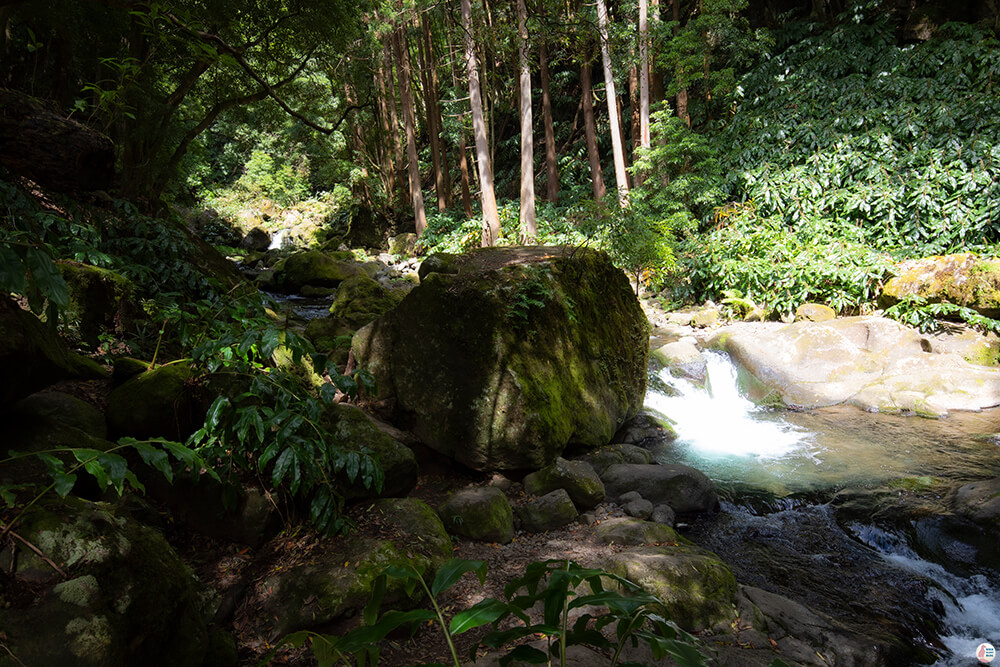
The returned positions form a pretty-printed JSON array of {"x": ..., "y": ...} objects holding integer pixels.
[{"x": 278, "y": 180}]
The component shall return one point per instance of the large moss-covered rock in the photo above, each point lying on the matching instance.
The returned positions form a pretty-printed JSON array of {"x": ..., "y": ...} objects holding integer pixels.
[
  {"x": 685, "y": 489},
  {"x": 353, "y": 430},
  {"x": 553, "y": 510},
  {"x": 519, "y": 355},
  {"x": 479, "y": 513},
  {"x": 338, "y": 581},
  {"x": 361, "y": 300},
  {"x": 312, "y": 267},
  {"x": 163, "y": 402},
  {"x": 629, "y": 532},
  {"x": 100, "y": 300},
  {"x": 63, "y": 408},
  {"x": 127, "y": 599},
  {"x": 964, "y": 279},
  {"x": 697, "y": 589},
  {"x": 32, "y": 357}
]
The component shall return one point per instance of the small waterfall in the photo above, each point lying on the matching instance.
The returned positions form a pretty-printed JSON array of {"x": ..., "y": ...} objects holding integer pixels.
[{"x": 278, "y": 239}]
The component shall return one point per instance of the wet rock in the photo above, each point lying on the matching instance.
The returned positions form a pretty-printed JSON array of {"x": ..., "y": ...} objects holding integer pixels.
[
  {"x": 522, "y": 354},
  {"x": 663, "y": 514},
  {"x": 257, "y": 240},
  {"x": 310, "y": 267},
  {"x": 685, "y": 489},
  {"x": 578, "y": 478},
  {"x": 644, "y": 429},
  {"x": 361, "y": 300},
  {"x": 553, "y": 510},
  {"x": 873, "y": 363},
  {"x": 684, "y": 359},
  {"x": 480, "y": 513},
  {"x": 979, "y": 501}
]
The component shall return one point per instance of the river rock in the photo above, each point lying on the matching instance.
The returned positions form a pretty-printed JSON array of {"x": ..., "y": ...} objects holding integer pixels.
[
  {"x": 980, "y": 502},
  {"x": 644, "y": 430},
  {"x": 257, "y": 240},
  {"x": 685, "y": 489},
  {"x": 632, "y": 532},
  {"x": 521, "y": 354},
  {"x": 127, "y": 598},
  {"x": 684, "y": 359},
  {"x": 964, "y": 279},
  {"x": 696, "y": 588},
  {"x": 578, "y": 478},
  {"x": 163, "y": 402},
  {"x": 553, "y": 510},
  {"x": 310, "y": 267},
  {"x": 479, "y": 513},
  {"x": 100, "y": 301},
  {"x": 814, "y": 312},
  {"x": 872, "y": 362},
  {"x": 337, "y": 582},
  {"x": 63, "y": 408},
  {"x": 361, "y": 300},
  {"x": 32, "y": 357},
  {"x": 609, "y": 455}
]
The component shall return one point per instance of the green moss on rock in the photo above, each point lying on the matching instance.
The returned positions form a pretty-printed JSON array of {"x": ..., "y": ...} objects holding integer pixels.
[
  {"x": 100, "y": 300},
  {"x": 312, "y": 267},
  {"x": 162, "y": 402},
  {"x": 480, "y": 513},
  {"x": 361, "y": 300},
  {"x": 964, "y": 279}
]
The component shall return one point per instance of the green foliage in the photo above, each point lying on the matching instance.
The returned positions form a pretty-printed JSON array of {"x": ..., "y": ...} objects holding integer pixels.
[
  {"x": 778, "y": 267},
  {"x": 271, "y": 423},
  {"x": 915, "y": 311},
  {"x": 452, "y": 232},
  {"x": 554, "y": 584},
  {"x": 278, "y": 180},
  {"x": 844, "y": 126}
]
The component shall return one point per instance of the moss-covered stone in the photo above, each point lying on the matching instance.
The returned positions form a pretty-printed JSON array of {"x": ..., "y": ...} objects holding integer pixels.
[
  {"x": 553, "y": 510},
  {"x": 814, "y": 312},
  {"x": 353, "y": 430},
  {"x": 630, "y": 532},
  {"x": 578, "y": 478},
  {"x": 609, "y": 455},
  {"x": 338, "y": 582},
  {"x": 130, "y": 599},
  {"x": 479, "y": 513},
  {"x": 964, "y": 279},
  {"x": 312, "y": 267},
  {"x": 331, "y": 336},
  {"x": 521, "y": 354},
  {"x": 63, "y": 408},
  {"x": 162, "y": 402},
  {"x": 697, "y": 589},
  {"x": 361, "y": 300},
  {"x": 100, "y": 300},
  {"x": 126, "y": 368},
  {"x": 32, "y": 357}
]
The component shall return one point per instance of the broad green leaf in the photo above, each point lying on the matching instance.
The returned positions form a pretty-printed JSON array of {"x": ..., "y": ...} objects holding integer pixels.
[
  {"x": 483, "y": 612},
  {"x": 156, "y": 458},
  {"x": 453, "y": 570},
  {"x": 63, "y": 482}
]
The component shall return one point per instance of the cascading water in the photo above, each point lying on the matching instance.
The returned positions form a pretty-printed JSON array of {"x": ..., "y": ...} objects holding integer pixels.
[{"x": 817, "y": 470}]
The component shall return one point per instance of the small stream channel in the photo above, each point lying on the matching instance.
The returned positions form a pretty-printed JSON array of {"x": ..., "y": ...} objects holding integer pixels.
[{"x": 845, "y": 511}]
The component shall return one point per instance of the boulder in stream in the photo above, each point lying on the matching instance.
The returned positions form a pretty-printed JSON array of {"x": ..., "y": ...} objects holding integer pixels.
[{"x": 513, "y": 356}]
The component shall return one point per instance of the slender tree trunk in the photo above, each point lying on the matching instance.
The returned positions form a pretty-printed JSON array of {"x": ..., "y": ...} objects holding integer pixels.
[
  {"x": 644, "y": 140},
  {"x": 491, "y": 217},
  {"x": 635, "y": 121},
  {"x": 430, "y": 108},
  {"x": 551, "y": 166},
  {"x": 397, "y": 146},
  {"x": 390, "y": 135},
  {"x": 443, "y": 178},
  {"x": 406, "y": 96},
  {"x": 621, "y": 175},
  {"x": 463, "y": 162},
  {"x": 655, "y": 75},
  {"x": 529, "y": 231},
  {"x": 682, "y": 94},
  {"x": 590, "y": 128}
]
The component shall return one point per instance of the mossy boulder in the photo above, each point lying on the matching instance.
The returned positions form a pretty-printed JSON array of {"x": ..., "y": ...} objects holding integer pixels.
[
  {"x": 609, "y": 455},
  {"x": 361, "y": 300},
  {"x": 63, "y": 408},
  {"x": 127, "y": 599},
  {"x": 479, "y": 513},
  {"x": 964, "y": 279},
  {"x": 814, "y": 312},
  {"x": 697, "y": 589},
  {"x": 685, "y": 489},
  {"x": 522, "y": 354},
  {"x": 338, "y": 581},
  {"x": 331, "y": 336},
  {"x": 354, "y": 431},
  {"x": 980, "y": 502},
  {"x": 32, "y": 357},
  {"x": 578, "y": 478},
  {"x": 165, "y": 402},
  {"x": 630, "y": 532},
  {"x": 100, "y": 300},
  {"x": 553, "y": 510},
  {"x": 311, "y": 267},
  {"x": 684, "y": 359}
]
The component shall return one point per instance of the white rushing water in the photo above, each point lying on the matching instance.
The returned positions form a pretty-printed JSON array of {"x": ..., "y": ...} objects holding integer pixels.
[{"x": 735, "y": 441}]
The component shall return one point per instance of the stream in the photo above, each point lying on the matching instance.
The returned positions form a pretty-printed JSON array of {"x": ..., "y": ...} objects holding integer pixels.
[{"x": 843, "y": 510}]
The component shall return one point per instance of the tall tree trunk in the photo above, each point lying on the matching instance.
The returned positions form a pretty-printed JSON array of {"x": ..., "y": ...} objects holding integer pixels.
[
  {"x": 643, "y": 138},
  {"x": 430, "y": 108},
  {"x": 443, "y": 183},
  {"x": 397, "y": 145},
  {"x": 463, "y": 162},
  {"x": 551, "y": 166},
  {"x": 406, "y": 96},
  {"x": 682, "y": 93},
  {"x": 621, "y": 175},
  {"x": 590, "y": 128},
  {"x": 655, "y": 75},
  {"x": 491, "y": 217},
  {"x": 529, "y": 231},
  {"x": 390, "y": 135},
  {"x": 635, "y": 121}
]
